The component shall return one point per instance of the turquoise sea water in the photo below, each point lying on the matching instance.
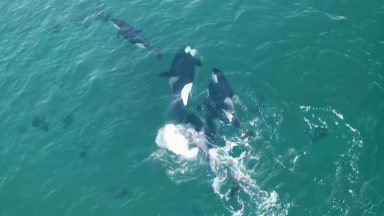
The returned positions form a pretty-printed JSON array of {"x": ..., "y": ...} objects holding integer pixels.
[{"x": 309, "y": 76}]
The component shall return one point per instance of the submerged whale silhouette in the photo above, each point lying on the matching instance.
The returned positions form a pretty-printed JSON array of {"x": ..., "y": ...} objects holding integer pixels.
[{"x": 133, "y": 35}]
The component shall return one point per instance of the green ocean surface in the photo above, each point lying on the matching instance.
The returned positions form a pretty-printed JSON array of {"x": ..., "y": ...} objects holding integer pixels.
[{"x": 80, "y": 108}]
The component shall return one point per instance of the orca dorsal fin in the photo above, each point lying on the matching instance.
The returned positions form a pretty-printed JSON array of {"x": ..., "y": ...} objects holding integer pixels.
[{"x": 165, "y": 74}]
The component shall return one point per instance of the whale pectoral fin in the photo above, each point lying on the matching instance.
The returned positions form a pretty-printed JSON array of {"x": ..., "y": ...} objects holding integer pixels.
[
  {"x": 198, "y": 62},
  {"x": 235, "y": 98},
  {"x": 166, "y": 74}
]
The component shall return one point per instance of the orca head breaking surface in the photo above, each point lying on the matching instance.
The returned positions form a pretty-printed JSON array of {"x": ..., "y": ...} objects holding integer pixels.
[{"x": 190, "y": 50}]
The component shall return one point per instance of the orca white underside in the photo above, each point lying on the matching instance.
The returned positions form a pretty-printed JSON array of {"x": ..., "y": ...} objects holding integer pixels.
[
  {"x": 116, "y": 26},
  {"x": 185, "y": 92},
  {"x": 140, "y": 45},
  {"x": 214, "y": 78},
  {"x": 175, "y": 138}
]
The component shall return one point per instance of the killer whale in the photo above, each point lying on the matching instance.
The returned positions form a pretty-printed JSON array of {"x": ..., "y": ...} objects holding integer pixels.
[
  {"x": 221, "y": 95},
  {"x": 133, "y": 35},
  {"x": 220, "y": 106},
  {"x": 184, "y": 121},
  {"x": 180, "y": 77}
]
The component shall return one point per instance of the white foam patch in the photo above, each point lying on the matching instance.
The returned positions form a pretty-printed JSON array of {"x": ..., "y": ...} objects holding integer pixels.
[
  {"x": 338, "y": 114},
  {"x": 183, "y": 140},
  {"x": 227, "y": 170},
  {"x": 273, "y": 198},
  {"x": 217, "y": 184},
  {"x": 185, "y": 92},
  {"x": 171, "y": 137}
]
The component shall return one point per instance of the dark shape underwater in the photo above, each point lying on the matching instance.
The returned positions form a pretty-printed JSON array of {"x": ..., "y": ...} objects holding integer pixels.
[
  {"x": 67, "y": 119},
  {"x": 124, "y": 193},
  {"x": 40, "y": 122},
  {"x": 133, "y": 35},
  {"x": 318, "y": 134}
]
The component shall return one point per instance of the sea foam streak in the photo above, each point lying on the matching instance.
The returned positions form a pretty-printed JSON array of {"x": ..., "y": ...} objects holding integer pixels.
[{"x": 171, "y": 138}]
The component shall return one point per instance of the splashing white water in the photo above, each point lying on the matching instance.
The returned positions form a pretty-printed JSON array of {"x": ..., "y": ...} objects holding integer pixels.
[
  {"x": 186, "y": 156},
  {"x": 180, "y": 145},
  {"x": 233, "y": 182},
  {"x": 179, "y": 139}
]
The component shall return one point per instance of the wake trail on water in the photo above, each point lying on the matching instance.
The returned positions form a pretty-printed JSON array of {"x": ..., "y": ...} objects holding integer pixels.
[
  {"x": 185, "y": 153},
  {"x": 235, "y": 168}
]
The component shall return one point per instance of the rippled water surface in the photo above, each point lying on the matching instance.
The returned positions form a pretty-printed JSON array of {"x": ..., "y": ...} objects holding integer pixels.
[{"x": 80, "y": 109}]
